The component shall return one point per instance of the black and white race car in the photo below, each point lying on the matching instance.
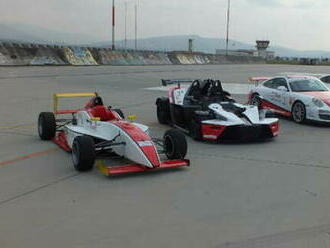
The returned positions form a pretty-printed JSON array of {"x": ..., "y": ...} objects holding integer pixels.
[{"x": 207, "y": 112}]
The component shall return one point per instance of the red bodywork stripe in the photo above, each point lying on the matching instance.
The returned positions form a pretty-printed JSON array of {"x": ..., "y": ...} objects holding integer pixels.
[
  {"x": 139, "y": 168},
  {"x": 61, "y": 141},
  {"x": 171, "y": 94},
  {"x": 321, "y": 95},
  {"x": 211, "y": 131},
  {"x": 275, "y": 128},
  {"x": 137, "y": 135},
  {"x": 63, "y": 112},
  {"x": 268, "y": 105}
]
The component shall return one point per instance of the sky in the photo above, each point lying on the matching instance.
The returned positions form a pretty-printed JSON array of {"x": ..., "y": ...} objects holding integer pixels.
[{"x": 298, "y": 24}]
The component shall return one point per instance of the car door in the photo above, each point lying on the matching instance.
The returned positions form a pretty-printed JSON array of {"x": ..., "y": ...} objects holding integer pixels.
[
  {"x": 281, "y": 93},
  {"x": 266, "y": 90}
]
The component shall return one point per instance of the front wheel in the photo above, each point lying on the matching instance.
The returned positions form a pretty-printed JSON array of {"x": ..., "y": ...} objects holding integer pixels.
[
  {"x": 298, "y": 112},
  {"x": 175, "y": 144},
  {"x": 163, "y": 110},
  {"x": 83, "y": 153}
]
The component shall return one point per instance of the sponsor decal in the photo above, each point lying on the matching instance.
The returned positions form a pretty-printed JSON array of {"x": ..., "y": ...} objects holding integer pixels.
[
  {"x": 210, "y": 137},
  {"x": 145, "y": 143}
]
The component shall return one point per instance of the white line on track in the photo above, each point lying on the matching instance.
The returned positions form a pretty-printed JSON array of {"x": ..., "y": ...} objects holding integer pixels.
[{"x": 238, "y": 89}]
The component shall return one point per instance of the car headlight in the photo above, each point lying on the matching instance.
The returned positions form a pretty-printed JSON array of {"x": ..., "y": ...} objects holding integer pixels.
[{"x": 318, "y": 102}]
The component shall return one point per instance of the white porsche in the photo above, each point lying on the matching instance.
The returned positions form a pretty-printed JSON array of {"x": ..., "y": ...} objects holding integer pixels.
[{"x": 300, "y": 97}]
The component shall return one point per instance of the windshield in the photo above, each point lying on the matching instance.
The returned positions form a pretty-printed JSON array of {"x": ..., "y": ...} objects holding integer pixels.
[{"x": 307, "y": 84}]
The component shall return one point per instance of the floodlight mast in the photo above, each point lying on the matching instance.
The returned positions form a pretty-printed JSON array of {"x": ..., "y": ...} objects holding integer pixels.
[
  {"x": 113, "y": 24},
  {"x": 136, "y": 27},
  {"x": 227, "y": 35},
  {"x": 125, "y": 25}
]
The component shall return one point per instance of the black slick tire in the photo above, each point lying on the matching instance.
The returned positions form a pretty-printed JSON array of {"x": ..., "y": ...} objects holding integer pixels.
[
  {"x": 175, "y": 144},
  {"x": 46, "y": 125},
  {"x": 163, "y": 110},
  {"x": 83, "y": 153}
]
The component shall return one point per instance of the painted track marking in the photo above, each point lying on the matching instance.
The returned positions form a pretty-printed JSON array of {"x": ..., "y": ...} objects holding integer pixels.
[
  {"x": 17, "y": 126},
  {"x": 32, "y": 155}
]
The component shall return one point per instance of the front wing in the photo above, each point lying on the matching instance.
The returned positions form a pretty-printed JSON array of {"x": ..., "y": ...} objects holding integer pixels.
[{"x": 134, "y": 168}]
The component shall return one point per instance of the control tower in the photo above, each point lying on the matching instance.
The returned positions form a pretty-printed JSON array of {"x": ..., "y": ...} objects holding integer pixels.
[{"x": 262, "y": 46}]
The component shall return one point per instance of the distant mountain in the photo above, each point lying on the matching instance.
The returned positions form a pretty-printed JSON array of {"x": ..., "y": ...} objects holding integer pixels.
[
  {"x": 287, "y": 52},
  {"x": 33, "y": 34},
  {"x": 179, "y": 43},
  {"x": 207, "y": 45}
]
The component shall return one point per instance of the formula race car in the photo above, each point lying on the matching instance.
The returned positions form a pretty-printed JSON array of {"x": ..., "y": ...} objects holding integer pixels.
[
  {"x": 300, "y": 97},
  {"x": 97, "y": 131},
  {"x": 206, "y": 112}
]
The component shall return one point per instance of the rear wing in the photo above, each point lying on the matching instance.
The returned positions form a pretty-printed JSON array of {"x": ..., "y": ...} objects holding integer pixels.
[
  {"x": 257, "y": 80},
  {"x": 166, "y": 82},
  {"x": 57, "y": 96}
]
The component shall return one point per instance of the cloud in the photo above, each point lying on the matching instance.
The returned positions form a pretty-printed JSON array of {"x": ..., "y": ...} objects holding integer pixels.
[{"x": 301, "y": 24}]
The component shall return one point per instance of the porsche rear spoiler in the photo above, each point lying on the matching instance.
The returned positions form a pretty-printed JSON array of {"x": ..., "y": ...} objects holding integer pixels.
[
  {"x": 57, "y": 96},
  {"x": 257, "y": 80},
  {"x": 166, "y": 82}
]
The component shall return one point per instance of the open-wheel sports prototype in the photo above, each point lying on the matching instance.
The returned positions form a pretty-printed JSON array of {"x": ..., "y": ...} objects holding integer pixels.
[
  {"x": 207, "y": 112},
  {"x": 98, "y": 131}
]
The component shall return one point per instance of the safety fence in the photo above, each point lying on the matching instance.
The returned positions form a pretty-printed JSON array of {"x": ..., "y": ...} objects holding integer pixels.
[{"x": 34, "y": 54}]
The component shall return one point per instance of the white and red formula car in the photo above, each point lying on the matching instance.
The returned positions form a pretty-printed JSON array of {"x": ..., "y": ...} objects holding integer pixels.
[
  {"x": 301, "y": 97},
  {"x": 99, "y": 131}
]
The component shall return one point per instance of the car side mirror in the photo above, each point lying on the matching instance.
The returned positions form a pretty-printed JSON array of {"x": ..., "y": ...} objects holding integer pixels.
[{"x": 282, "y": 88}]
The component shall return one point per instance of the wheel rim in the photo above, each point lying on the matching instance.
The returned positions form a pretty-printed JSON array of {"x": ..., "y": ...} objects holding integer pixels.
[
  {"x": 75, "y": 154},
  {"x": 298, "y": 112},
  {"x": 169, "y": 146}
]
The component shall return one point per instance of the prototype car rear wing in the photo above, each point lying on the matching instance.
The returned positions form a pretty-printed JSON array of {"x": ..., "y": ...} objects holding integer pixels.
[
  {"x": 57, "y": 96},
  {"x": 166, "y": 82}
]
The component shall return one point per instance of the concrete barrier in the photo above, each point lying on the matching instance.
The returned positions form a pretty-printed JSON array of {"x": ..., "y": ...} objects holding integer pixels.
[
  {"x": 79, "y": 56},
  {"x": 15, "y": 54},
  {"x": 164, "y": 58},
  {"x": 34, "y": 54},
  {"x": 47, "y": 56},
  {"x": 200, "y": 60}
]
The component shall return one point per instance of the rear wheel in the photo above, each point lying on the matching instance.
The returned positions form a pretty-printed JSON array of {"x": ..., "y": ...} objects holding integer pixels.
[
  {"x": 175, "y": 144},
  {"x": 298, "y": 112},
  {"x": 163, "y": 110},
  {"x": 46, "y": 125},
  {"x": 83, "y": 153}
]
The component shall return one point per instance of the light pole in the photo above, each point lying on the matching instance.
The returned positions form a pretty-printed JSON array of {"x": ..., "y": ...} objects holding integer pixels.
[
  {"x": 113, "y": 24},
  {"x": 228, "y": 19},
  {"x": 136, "y": 20},
  {"x": 125, "y": 25}
]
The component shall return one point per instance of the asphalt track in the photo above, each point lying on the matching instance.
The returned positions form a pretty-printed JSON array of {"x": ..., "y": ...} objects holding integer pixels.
[{"x": 268, "y": 194}]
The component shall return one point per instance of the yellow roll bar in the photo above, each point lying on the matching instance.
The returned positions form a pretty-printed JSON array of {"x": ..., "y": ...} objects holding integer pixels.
[{"x": 69, "y": 95}]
